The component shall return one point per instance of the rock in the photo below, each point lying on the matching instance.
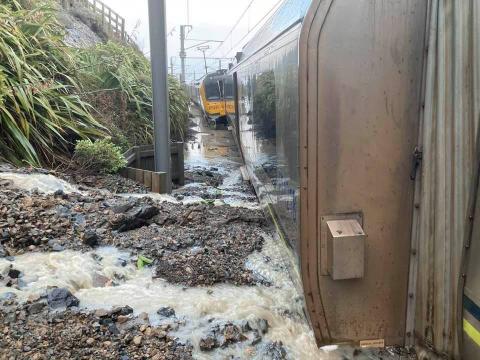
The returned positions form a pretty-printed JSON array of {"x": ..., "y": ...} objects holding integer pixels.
[
  {"x": 275, "y": 351},
  {"x": 59, "y": 192},
  {"x": 55, "y": 246},
  {"x": 90, "y": 341},
  {"x": 14, "y": 274},
  {"x": 36, "y": 308},
  {"x": 122, "y": 208},
  {"x": 256, "y": 338},
  {"x": 166, "y": 312},
  {"x": 263, "y": 326},
  {"x": 134, "y": 219},
  {"x": 61, "y": 298},
  {"x": 3, "y": 252},
  {"x": 99, "y": 280},
  {"x": 122, "y": 310},
  {"x": 121, "y": 319},
  {"x": 113, "y": 329},
  {"x": 147, "y": 212},
  {"x": 90, "y": 238},
  {"x": 208, "y": 343},
  {"x": 137, "y": 340}
]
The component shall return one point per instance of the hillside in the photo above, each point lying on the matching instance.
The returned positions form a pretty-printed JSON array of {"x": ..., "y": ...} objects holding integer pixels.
[{"x": 61, "y": 82}]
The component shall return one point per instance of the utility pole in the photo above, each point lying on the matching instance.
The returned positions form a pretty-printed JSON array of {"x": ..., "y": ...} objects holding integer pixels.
[
  {"x": 183, "y": 54},
  {"x": 171, "y": 65},
  {"x": 219, "y": 64},
  {"x": 203, "y": 49},
  {"x": 161, "y": 120}
]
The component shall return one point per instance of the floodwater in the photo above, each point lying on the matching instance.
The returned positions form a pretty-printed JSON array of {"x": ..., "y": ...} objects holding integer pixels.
[{"x": 108, "y": 277}]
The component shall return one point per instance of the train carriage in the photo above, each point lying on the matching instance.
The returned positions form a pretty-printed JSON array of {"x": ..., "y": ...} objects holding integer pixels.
[
  {"x": 212, "y": 98},
  {"x": 347, "y": 117}
]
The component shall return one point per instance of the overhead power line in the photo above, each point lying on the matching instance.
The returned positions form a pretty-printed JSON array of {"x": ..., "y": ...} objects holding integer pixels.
[
  {"x": 233, "y": 27},
  {"x": 255, "y": 26}
]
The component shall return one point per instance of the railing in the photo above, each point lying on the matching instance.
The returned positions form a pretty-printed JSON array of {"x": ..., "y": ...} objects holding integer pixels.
[
  {"x": 140, "y": 166},
  {"x": 110, "y": 20}
]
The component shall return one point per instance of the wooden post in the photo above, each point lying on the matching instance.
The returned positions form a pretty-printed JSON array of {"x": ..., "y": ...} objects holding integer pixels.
[
  {"x": 138, "y": 158},
  {"x": 147, "y": 179},
  {"x": 123, "y": 29},
  {"x": 139, "y": 176},
  {"x": 159, "y": 182}
]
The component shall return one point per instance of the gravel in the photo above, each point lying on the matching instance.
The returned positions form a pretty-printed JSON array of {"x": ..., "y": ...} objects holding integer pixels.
[{"x": 33, "y": 331}]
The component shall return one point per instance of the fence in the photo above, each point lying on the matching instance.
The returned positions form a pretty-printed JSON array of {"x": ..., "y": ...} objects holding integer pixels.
[
  {"x": 110, "y": 20},
  {"x": 140, "y": 166}
]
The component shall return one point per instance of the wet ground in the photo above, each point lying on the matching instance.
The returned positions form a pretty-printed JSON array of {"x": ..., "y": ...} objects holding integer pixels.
[{"x": 88, "y": 273}]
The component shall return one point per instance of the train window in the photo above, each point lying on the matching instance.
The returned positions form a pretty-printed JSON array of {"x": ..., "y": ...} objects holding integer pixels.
[
  {"x": 264, "y": 106},
  {"x": 212, "y": 91},
  {"x": 228, "y": 88}
]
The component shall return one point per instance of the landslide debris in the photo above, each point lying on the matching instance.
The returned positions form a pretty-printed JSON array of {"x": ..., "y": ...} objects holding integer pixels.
[
  {"x": 194, "y": 244},
  {"x": 36, "y": 331}
]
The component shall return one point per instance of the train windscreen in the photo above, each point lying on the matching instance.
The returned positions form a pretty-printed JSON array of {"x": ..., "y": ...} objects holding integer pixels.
[{"x": 212, "y": 92}]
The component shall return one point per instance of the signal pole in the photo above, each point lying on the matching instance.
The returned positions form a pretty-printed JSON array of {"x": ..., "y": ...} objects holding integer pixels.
[{"x": 161, "y": 120}]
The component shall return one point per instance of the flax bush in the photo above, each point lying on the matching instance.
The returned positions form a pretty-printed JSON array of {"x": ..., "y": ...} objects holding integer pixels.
[
  {"x": 41, "y": 114},
  {"x": 118, "y": 82}
]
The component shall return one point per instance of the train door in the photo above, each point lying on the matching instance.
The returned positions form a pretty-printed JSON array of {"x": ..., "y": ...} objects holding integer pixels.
[{"x": 221, "y": 90}]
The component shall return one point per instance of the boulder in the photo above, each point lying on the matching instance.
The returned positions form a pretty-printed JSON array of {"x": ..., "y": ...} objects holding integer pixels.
[{"x": 61, "y": 298}]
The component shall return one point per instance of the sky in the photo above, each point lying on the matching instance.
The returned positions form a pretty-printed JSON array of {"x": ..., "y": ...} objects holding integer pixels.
[{"x": 210, "y": 20}]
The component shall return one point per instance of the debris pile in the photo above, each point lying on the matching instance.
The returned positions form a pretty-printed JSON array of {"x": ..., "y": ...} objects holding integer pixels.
[{"x": 36, "y": 330}]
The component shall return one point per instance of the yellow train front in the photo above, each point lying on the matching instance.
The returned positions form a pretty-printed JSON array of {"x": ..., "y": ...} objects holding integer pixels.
[{"x": 216, "y": 98}]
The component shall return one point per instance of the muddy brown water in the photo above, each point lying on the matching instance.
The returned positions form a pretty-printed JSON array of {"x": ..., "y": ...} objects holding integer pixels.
[{"x": 281, "y": 304}]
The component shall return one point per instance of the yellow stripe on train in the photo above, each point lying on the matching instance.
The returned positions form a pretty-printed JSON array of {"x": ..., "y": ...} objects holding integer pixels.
[{"x": 471, "y": 331}]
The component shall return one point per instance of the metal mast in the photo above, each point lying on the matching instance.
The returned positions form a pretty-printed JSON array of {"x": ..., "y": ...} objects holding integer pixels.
[{"x": 158, "y": 46}]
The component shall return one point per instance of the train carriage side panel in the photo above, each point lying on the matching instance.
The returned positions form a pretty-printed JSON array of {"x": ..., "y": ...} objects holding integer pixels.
[
  {"x": 361, "y": 88},
  {"x": 268, "y": 127}
]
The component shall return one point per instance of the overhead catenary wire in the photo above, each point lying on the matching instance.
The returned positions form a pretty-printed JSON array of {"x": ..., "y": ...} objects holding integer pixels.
[
  {"x": 233, "y": 27},
  {"x": 274, "y": 7}
]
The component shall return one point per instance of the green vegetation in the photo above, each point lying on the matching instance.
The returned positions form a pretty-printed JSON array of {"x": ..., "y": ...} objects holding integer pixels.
[
  {"x": 52, "y": 95},
  {"x": 40, "y": 112},
  {"x": 98, "y": 156},
  {"x": 117, "y": 81}
]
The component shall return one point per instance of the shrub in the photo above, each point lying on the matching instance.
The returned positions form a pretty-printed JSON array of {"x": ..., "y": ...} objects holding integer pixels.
[
  {"x": 117, "y": 81},
  {"x": 40, "y": 113},
  {"x": 101, "y": 156}
]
